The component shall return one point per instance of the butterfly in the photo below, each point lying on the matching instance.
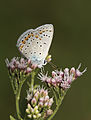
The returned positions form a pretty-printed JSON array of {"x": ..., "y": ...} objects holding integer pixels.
[{"x": 34, "y": 44}]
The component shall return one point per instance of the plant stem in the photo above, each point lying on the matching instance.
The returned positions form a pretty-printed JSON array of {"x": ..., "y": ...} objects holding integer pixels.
[
  {"x": 32, "y": 79},
  {"x": 57, "y": 107},
  {"x": 55, "y": 96},
  {"x": 17, "y": 101}
]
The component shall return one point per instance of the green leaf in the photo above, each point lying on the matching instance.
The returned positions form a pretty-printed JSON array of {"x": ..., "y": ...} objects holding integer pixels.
[{"x": 12, "y": 118}]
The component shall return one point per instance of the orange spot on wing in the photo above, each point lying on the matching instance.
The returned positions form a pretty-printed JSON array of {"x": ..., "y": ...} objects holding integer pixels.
[
  {"x": 27, "y": 37},
  {"x": 40, "y": 32},
  {"x": 21, "y": 47},
  {"x": 23, "y": 41},
  {"x": 36, "y": 36},
  {"x": 32, "y": 35},
  {"x": 40, "y": 38}
]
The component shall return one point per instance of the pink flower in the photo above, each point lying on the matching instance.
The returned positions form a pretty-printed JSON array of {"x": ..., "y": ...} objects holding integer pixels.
[{"x": 62, "y": 79}]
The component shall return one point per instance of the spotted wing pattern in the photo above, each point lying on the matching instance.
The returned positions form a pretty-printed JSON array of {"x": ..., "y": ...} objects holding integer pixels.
[{"x": 34, "y": 44}]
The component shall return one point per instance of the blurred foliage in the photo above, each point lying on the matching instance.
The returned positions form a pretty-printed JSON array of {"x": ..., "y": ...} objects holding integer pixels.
[{"x": 71, "y": 45}]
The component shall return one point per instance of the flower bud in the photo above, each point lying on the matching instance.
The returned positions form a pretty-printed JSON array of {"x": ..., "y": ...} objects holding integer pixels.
[
  {"x": 33, "y": 102},
  {"x": 72, "y": 71},
  {"x": 49, "y": 112},
  {"x": 40, "y": 104},
  {"x": 42, "y": 99},
  {"x": 46, "y": 104},
  {"x": 28, "y": 70},
  {"x": 50, "y": 102},
  {"x": 36, "y": 108},
  {"x": 48, "y": 80},
  {"x": 42, "y": 92},
  {"x": 53, "y": 74},
  {"x": 29, "y": 116},
  {"x": 34, "y": 116},
  {"x": 27, "y": 111},
  {"x": 36, "y": 111},
  {"x": 47, "y": 98},
  {"x": 78, "y": 73},
  {"x": 36, "y": 96},
  {"x": 38, "y": 115},
  {"x": 29, "y": 106}
]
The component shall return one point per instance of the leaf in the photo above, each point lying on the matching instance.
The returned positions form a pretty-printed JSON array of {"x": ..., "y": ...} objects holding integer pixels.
[{"x": 12, "y": 118}]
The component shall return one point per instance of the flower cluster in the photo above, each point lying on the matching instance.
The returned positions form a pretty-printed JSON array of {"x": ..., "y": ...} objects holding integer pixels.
[
  {"x": 39, "y": 104},
  {"x": 20, "y": 64},
  {"x": 62, "y": 79}
]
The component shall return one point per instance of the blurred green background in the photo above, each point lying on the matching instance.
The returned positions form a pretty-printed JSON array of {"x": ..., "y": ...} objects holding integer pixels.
[{"x": 71, "y": 45}]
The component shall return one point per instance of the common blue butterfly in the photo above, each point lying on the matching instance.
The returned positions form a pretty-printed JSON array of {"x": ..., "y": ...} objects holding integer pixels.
[{"x": 34, "y": 44}]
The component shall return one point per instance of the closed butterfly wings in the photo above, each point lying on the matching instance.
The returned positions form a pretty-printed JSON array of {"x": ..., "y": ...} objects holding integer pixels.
[{"x": 34, "y": 44}]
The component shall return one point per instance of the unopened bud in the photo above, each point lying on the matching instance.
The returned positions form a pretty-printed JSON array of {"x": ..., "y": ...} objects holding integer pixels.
[
  {"x": 38, "y": 115},
  {"x": 34, "y": 116},
  {"x": 33, "y": 102},
  {"x": 29, "y": 116},
  {"x": 27, "y": 110},
  {"x": 36, "y": 108},
  {"x": 29, "y": 106}
]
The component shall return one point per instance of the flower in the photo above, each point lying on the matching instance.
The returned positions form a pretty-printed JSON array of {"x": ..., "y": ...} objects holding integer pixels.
[
  {"x": 39, "y": 103},
  {"x": 61, "y": 78},
  {"x": 20, "y": 64}
]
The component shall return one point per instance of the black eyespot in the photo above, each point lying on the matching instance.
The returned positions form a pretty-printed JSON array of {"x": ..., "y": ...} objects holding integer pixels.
[
  {"x": 28, "y": 43},
  {"x": 48, "y": 36},
  {"x": 40, "y": 53},
  {"x": 27, "y": 46},
  {"x": 34, "y": 52},
  {"x": 40, "y": 45},
  {"x": 44, "y": 34},
  {"x": 44, "y": 43},
  {"x": 25, "y": 53},
  {"x": 28, "y": 33},
  {"x": 37, "y": 42},
  {"x": 31, "y": 53}
]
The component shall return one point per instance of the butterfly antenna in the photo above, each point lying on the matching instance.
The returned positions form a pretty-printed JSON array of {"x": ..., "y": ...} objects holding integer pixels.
[{"x": 53, "y": 65}]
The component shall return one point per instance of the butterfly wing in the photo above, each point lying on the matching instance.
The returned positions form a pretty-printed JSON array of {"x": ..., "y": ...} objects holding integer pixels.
[{"x": 34, "y": 44}]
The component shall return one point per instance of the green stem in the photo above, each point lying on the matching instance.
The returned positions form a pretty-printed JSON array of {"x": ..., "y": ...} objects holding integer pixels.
[
  {"x": 32, "y": 79},
  {"x": 17, "y": 101},
  {"x": 58, "y": 105},
  {"x": 55, "y": 96}
]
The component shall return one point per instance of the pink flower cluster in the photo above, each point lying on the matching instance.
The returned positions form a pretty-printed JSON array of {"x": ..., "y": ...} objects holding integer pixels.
[
  {"x": 62, "y": 79},
  {"x": 39, "y": 104},
  {"x": 20, "y": 64}
]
